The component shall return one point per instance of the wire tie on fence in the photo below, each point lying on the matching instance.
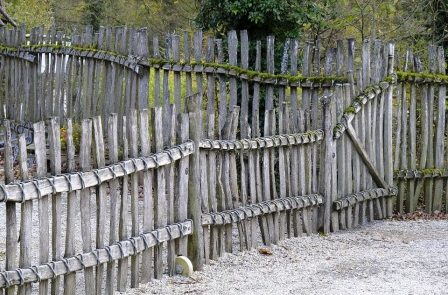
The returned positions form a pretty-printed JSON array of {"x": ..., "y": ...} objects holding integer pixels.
[
  {"x": 145, "y": 241},
  {"x": 36, "y": 186},
  {"x": 168, "y": 152},
  {"x": 145, "y": 164},
  {"x": 20, "y": 274},
  {"x": 22, "y": 192},
  {"x": 238, "y": 145},
  {"x": 220, "y": 142},
  {"x": 363, "y": 194},
  {"x": 120, "y": 246},
  {"x": 5, "y": 193},
  {"x": 95, "y": 172},
  {"x": 168, "y": 230},
  {"x": 288, "y": 140},
  {"x": 4, "y": 274},
  {"x": 134, "y": 162},
  {"x": 180, "y": 226},
  {"x": 181, "y": 151},
  {"x": 83, "y": 184},
  {"x": 245, "y": 214},
  {"x": 107, "y": 248},
  {"x": 67, "y": 178},
  {"x": 123, "y": 167},
  {"x": 213, "y": 217},
  {"x": 80, "y": 259},
  {"x": 51, "y": 181},
  {"x": 264, "y": 139},
  {"x": 65, "y": 261},
  {"x": 35, "y": 270},
  {"x": 235, "y": 211},
  {"x": 223, "y": 216},
  {"x": 226, "y": 142},
  {"x": 155, "y": 236},
  {"x": 132, "y": 240},
  {"x": 95, "y": 253},
  {"x": 251, "y": 208},
  {"x": 51, "y": 267},
  {"x": 154, "y": 158},
  {"x": 288, "y": 200},
  {"x": 259, "y": 206},
  {"x": 248, "y": 143},
  {"x": 276, "y": 205},
  {"x": 111, "y": 169}
]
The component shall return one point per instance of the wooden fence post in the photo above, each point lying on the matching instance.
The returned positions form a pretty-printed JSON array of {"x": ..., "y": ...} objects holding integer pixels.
[
  {"x": 329, "y": 155},
  {"x": 388, "y": 165},
  {"x": 195, "y": 242}
]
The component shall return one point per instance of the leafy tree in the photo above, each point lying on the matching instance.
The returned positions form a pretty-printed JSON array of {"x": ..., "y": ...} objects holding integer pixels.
[
  {"x": 93, "y": 13},
  {"x": 282, "y": 18},
  {"x": 30, "y": 12}
]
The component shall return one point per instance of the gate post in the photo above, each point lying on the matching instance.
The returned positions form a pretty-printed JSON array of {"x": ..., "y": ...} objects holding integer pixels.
[
  {"x": 196, "y": 240},
  {"x": 328, "y": 159},
  {"x": 388, "y": 165}
]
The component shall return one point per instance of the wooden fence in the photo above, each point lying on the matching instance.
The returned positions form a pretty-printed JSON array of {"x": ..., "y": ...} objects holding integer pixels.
[{"x": 200, "y": 156}]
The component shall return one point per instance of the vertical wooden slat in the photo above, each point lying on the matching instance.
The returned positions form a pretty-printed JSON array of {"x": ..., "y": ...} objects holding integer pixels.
[
  {"x": 112, "y": 144},
  {"x": 160, "y": 217},
  {"x": 72, "y": 202},
  {"x": 100, "y": 198},
  {"x": 133, "y": 148},
  {"x": 41, "y": 163},
  {"x": 440, "y": 130},
  {"x": 122, "y": 275},
  {"x": 181, "y": 194},
  {"x": 266, "y": 173},
  {"x": 26, "y": 220},
  {"x": 148, "y": 201},
  {"x": 195, "y": 242},
  {"x": 55, "y": 169},
  {"x": 156, "y": 54},
  {"x": 170, "y": 186},
  {"x": 11, "y": 214},
  {"x": 84, "y": 157},
  {"x": 388, "y": 166}
]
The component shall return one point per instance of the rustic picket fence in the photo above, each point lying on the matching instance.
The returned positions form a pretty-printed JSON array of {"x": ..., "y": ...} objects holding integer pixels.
[{"x": 203, "y": 155}]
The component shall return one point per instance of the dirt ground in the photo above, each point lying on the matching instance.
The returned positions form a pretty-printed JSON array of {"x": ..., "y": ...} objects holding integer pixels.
[{"x": 384, "y": 257}]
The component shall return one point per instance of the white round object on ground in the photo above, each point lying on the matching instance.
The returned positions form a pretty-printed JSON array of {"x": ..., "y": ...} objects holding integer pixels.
[{"x": 184, "y": 266}]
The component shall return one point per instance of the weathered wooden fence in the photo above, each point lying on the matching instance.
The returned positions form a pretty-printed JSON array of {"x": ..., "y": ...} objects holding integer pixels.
[{"x": 202, "y": 155}]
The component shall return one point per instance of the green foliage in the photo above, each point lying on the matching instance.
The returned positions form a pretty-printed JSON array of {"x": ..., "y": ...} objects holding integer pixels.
[
  {"x": 93, "y": 12},
  {"x": 30, "y": 12},
  {"x": 282, "y": 18}
]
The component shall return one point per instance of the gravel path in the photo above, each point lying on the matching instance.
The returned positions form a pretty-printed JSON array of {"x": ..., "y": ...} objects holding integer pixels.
[{"x": 386, "y": 257}]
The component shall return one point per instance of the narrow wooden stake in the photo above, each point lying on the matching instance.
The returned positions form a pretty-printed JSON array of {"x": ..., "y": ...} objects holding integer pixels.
[
  {"x": 160, "y": 217},
  {"x": 170, "y": 186},
  {"x": 41, "y": 163},
  {"x": 148, "y": 202},
  {"x": 72, "y": 204},
  {"x": 181, "y": 195},
  {"x": 26, "y": 220},
  {"x": 11, "y": 214},
  {"x": 123, "y": 222},
  {"x": 388, "y": 165},
  {"x": 100, "y": 197},
  {"x": 84, "y": 156},
  {"x": 195, "y": 242},
  {"x": 56, "y": 231},
  {"x": 327, "y": 165}
]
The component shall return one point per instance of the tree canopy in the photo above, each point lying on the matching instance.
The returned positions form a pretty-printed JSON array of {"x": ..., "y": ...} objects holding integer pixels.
[{"x": 282, "y": 18}]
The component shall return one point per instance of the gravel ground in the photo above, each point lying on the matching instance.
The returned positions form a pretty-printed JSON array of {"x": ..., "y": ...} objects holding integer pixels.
[{"x": 385, "y": 257}]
